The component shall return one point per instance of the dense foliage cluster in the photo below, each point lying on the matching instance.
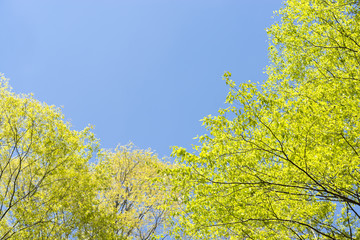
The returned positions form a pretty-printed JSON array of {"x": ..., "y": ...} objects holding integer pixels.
[
  {"x": 280, "y": 162},
  {"x": 136, "y": 192},
  {"x": 45, "y": 182},
  {"x": 49, "y": 189}
]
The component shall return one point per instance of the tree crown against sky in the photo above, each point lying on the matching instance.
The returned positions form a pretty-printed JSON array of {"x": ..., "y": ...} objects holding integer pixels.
[
  {"x": 56, "y": 183},
  {"x": 46, "y": 188},
  {"x": 135, "y": 193},
  {"x": 282, "y": 161}
]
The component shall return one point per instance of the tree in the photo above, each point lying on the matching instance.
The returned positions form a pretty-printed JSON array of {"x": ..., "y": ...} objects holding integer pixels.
[
  {"x": 282, "y": 161},
  {"x": 50, "y": 190},
  {"x": 47, "y": 189},
  {"x": 135, "y": 193}
]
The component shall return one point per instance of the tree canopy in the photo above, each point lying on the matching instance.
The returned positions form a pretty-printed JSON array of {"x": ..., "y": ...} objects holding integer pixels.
[
  {"x": 282, "y": 160},
  {"x": 56, "y": 183},
  {"x": 46, "y": 189},
  {"x": 135, "y": 193}
]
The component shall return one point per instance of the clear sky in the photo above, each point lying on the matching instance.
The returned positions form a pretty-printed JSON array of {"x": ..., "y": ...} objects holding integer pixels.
[{"x": 144, "y": 71}]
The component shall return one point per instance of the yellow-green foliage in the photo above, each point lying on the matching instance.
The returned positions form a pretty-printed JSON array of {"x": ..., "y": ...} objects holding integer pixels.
[
  {"x": 135, "y": 193},
  {"x": 46, "y": 188},
  {"x": 282, "y": 161}
]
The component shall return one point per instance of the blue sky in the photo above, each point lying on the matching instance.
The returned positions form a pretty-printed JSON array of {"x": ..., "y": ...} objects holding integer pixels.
[{"x": 140, "y": 71}]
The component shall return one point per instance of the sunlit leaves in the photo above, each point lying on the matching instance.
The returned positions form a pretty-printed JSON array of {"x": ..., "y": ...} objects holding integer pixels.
[
  {"x": 135, "y": 194},
  {"x": 279, "y": 161},
  {"x": 46, "y": 187}
]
